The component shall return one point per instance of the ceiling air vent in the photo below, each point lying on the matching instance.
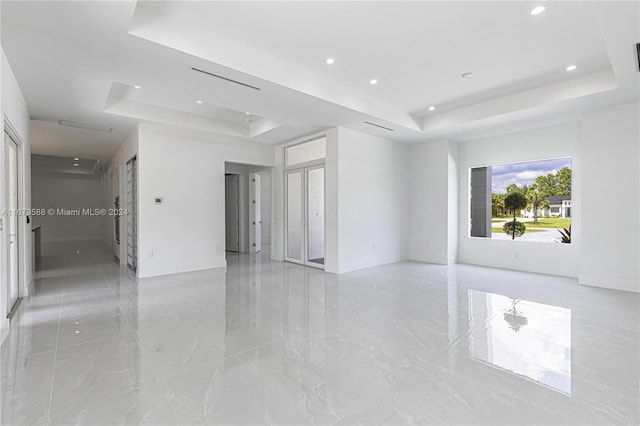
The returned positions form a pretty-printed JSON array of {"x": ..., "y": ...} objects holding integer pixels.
[
  {"x": 377, "y": 125},
  {"x": 85, "y": 126},
  {"x": 226, "y": 79}
]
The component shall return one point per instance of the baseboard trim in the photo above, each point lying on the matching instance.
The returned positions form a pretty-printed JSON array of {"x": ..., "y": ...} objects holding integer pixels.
[
  {"x": 371, "y": 263},
  {"x": 179, "y": 269},
  {"x": 610, "y": 283},
  {"x": 516, "y": 267},
  {"x": 438, "y": 261}
]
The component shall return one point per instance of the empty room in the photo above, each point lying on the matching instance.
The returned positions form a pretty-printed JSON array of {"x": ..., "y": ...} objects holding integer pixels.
[{"x": 315, "y": 213}]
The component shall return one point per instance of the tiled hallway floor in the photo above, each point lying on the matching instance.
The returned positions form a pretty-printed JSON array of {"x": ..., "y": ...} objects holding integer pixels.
[{"x": 268, "y": 342}]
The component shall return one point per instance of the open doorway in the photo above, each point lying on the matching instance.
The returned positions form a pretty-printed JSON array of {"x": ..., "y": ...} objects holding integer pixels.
[{"x": 247, "y": 208}]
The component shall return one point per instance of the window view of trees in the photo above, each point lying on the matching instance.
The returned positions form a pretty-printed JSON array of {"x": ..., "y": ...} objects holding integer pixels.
[
  {"x": 545, "y": 189},
  {"x": 557, "y": 184}
]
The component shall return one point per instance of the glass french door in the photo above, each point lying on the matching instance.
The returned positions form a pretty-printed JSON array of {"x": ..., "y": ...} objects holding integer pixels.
[
  {"x": 12, "y": 227},
  {"x": 132, "y": 210},
  {"x": 304, "y": 209}
]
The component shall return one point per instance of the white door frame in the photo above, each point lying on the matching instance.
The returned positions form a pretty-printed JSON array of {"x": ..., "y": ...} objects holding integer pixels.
[
  {"x": 286, "y": 216},
  {"x": 255, "y": 214},
  {"x": 303, "y": 168},
  {"x": 23, "y": 250},
  {"x": 237, "y": 176},
  {"x": 306, "y": 215}
]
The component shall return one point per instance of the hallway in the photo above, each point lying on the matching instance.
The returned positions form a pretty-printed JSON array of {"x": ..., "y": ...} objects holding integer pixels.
[{"x": 267, "y": 342}]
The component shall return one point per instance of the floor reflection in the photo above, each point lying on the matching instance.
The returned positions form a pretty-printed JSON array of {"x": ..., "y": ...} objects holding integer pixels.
[
  {"x": 267, "y": 342},
  {"x": 527, "y": 338}
]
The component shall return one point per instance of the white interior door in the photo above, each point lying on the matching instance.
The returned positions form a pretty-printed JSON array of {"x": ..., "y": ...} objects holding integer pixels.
[
  {"x": 314, "y": 196},
  {"x": 12, "y": 230},
  {"x": 255, "y": 208},
  {"x": 294, "y": 212},
  {"x": 305, "y": 221},
  {"x": 232, "y": 213}
]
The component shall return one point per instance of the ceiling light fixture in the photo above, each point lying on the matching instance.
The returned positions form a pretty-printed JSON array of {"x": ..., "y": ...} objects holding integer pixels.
[
  {"x": 373, "y": 82},
  {"x": 198, "y": 101},
  {"x": 431, "y": 108},
  {"x": 75, "y": 164},
  {"x": 330, "y": 61},
  {"x": 571, "y": 68},
  {"x": 137, "y": 86},
  {"x": 466, "y": 75},
  {"x": 538, "y": 10},
  {"x": 247, "y": 113},
  {"x": 85, "y": 126},
  {"x": 76, "y": 158}
]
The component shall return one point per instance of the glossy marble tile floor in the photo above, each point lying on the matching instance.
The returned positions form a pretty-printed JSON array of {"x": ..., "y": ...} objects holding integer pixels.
[{"x": 267, "y": 342}]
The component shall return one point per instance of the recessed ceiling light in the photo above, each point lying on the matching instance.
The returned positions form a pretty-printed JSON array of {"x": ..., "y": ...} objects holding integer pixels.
[
  {"x": 75, "y": 164},
  {"x": 76, "y": 158},
  {"x": 467, "y": 75},
  {"x": 431, "y": 108},
  {"x": 538, "y": 10},
  {"x": 571, "y": 68},
  {"x": 373, "y": 81},
  {"x": 198, "y": 101},
  {"x": 330, "y": 61},
  {"x": 247, "y": 113},
  {"x": 137, "y": 86}
]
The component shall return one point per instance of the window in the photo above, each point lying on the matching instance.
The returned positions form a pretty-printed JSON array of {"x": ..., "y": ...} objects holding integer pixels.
[
  {"x": 307, "y": 151},
  {"x": 539, "y": 210}
]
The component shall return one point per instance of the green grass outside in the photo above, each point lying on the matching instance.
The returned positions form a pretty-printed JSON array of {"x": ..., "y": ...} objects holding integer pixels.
[
  {"x": 501, "y": 231},
  {"x": 547, "y": 222}
]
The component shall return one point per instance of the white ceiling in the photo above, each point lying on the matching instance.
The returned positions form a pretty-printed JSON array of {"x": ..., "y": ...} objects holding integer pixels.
[
  {"x": 52, "y": 166},
  {"x": 79, "y": 61}
]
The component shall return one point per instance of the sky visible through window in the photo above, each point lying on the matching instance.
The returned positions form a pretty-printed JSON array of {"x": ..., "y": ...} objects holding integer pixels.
[{"x": 523, "y": 173}]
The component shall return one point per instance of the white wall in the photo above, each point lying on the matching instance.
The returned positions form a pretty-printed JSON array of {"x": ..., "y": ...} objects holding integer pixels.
[
  {"x": 433, "y": 209},
  {"x": 453, "y": 209},
  {"x": 332, "y": 202},
  {"x": 186, "y": 231},
  {"x": 14, "y": 108},
  {"x": 106, "y": 223},
  {"x": 545, "y": 143},
  {"x": 373, "y": 200},
  {"x": 67, "y": 193},
  {"x": 610, "y": 250}
]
